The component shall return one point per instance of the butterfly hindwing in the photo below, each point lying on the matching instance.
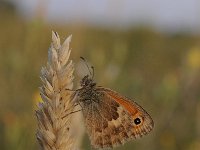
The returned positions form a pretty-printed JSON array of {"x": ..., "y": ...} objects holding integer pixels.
[{"x": 111, "y": 120}]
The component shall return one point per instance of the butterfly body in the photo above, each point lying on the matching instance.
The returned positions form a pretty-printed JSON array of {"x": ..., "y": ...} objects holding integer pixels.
[{"x": 111, "y": 119}]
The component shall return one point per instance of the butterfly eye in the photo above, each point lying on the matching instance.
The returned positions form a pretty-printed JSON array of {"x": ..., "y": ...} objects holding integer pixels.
[{"x": 137, "y": 121}]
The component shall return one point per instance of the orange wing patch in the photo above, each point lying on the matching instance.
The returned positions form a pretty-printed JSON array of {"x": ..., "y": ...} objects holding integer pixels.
[{"x": 126, "y": 104}]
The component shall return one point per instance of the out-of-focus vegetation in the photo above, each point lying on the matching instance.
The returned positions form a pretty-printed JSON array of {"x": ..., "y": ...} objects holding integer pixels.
[{"x": 160, "y": 71}]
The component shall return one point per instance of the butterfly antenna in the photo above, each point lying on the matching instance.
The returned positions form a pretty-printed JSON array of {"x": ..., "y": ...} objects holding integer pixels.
[
  {"x": 87, "y": 66},
  {"x": 92, "y": 72}
]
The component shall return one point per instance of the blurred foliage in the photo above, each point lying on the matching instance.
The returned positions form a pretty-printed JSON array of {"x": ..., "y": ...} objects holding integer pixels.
[{"x": 161, "y": 71}]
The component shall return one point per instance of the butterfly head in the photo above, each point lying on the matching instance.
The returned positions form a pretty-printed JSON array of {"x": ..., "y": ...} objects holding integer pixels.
[{"x": 87, "y": 81}]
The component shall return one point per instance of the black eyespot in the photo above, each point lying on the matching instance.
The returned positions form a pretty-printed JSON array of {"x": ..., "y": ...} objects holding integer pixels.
[{"x": 137, "y": 121}]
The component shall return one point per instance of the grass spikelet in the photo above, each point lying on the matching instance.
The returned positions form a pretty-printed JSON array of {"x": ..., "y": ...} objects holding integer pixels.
[{"x": 57, "y": 78}]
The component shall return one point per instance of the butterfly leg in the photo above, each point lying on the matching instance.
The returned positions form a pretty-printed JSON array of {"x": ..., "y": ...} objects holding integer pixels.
[{"x": 71, "y": 113}]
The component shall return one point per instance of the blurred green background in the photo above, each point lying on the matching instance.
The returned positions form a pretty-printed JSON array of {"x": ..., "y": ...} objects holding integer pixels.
[{"x": 160, "y": 70}]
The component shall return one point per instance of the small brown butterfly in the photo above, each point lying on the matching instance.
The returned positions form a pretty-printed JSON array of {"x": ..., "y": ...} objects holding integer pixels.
[{"x": 110, "y": 119}]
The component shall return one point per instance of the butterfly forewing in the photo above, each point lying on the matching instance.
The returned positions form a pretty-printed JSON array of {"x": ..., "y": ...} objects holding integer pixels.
[{"x": 141, "y": 120}]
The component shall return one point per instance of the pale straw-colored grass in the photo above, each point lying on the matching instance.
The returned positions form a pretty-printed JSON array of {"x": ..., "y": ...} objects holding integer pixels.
[{"x": 53, "y": 131}]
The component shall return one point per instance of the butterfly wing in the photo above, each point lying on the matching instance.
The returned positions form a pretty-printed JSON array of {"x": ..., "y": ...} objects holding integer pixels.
[
  {"x": 142, "y": 121},
  {"x": 113, "y": 119}
]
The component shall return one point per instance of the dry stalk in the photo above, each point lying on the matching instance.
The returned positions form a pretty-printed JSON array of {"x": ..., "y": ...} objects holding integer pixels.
[{"x": 57, "y": 80}]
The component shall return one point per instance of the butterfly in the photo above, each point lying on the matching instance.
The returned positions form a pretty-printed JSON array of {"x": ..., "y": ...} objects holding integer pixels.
[{"x": 110, "y": 118}]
